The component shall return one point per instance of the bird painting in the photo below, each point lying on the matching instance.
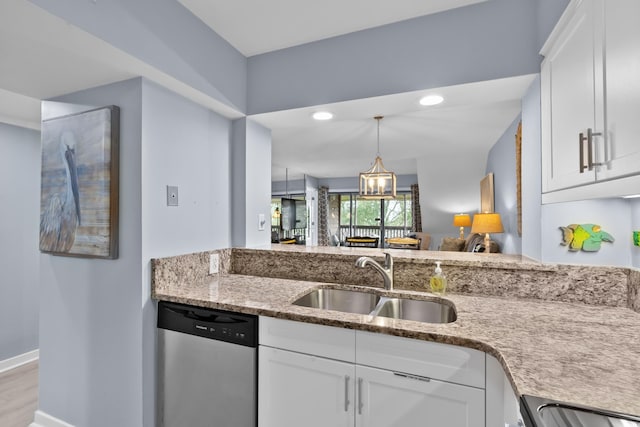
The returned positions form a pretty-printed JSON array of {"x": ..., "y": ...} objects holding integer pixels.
[
  {"x": 587, "y": 237},
  {"x": 61, "y": 214},
  {"x": 79, "y": 182}
]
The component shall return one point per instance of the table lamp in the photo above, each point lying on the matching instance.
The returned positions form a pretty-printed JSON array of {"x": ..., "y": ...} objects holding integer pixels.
[
  {"x": 487, "y": 223},
  {"x": 462, "y": 221}
]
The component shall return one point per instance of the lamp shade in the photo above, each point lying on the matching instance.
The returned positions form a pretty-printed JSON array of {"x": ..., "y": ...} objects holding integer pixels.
[
  {"x": 461, "y": 220},
  {"x": 487, "y": 223}
]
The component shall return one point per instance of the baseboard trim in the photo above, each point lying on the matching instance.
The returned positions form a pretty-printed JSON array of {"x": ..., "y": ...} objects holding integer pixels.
[
  {"x": 19, "y": 360},
  {"x": 42, "y": 419}
]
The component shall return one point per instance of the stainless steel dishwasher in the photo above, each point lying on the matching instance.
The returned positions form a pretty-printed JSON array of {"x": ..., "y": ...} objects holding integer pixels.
[{"x": 207, "y": 363}]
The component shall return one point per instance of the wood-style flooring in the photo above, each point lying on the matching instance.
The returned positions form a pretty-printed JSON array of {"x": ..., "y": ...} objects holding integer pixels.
[{"x": 19, "y": 395}]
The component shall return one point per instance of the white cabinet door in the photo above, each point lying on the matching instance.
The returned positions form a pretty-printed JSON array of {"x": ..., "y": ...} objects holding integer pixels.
[
  {"x": 386, "y": 399},
  {"x": 622, "y": 62},
  {"x": 569, "y": 100},
  {"x": 301, "y": 390}
]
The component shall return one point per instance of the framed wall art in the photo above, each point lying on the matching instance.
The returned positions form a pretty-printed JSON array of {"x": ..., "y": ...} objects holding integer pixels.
[
  {"x": 79, "y": 184},
  {"x": 486, "y": 194}
]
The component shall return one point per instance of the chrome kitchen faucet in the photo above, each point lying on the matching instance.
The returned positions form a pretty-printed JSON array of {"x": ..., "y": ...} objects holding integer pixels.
[{"x": 386, "y": 271}]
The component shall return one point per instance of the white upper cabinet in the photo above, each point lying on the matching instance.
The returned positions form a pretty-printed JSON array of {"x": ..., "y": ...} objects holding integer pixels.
[
  {"x": 591, "y": 99},
  {"x": 622, "y": 89}
]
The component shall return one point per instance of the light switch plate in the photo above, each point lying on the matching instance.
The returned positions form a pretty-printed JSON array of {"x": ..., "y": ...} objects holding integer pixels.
[
  {"x": 261, "y": 222},
  {"x": 172, "y": 195}
]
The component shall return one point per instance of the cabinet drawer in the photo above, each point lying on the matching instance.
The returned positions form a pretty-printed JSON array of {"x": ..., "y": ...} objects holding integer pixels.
[
  {"x": 319, "y": 340},
  {"x": 445, "y": 362}
]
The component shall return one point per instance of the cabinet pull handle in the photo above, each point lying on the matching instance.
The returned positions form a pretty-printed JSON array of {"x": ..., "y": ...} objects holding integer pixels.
[
  {"x": 360, "y": 404},
  {"x": 346, "y": 393},
  {"x": 589, "y": 164},
  {"x": 412, "y": 377}
]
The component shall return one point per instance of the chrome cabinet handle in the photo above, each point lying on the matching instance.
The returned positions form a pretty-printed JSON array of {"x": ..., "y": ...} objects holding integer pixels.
[
  {"x": 587, "y": 163},
  {"x": 360, "y": 404},
  {"x": 346, "y": 393},
  {"x": 412, "y": 377}
]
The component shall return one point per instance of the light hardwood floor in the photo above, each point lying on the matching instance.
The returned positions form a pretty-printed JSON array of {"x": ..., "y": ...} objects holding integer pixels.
[{"x": 19, "y": 395}]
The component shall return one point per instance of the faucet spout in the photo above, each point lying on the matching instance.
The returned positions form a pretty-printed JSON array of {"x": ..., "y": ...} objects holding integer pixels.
[{"x": 386, "y": 270}]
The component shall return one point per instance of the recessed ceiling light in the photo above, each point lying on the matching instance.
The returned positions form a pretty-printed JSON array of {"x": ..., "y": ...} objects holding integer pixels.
[
  {"x": 632, "y": 196},
  {"x": 322, "y": 115},
  {"x": 431, "y": 100}
]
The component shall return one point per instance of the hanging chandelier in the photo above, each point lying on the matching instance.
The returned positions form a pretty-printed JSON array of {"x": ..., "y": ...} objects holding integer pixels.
[{"x": 377, "y": 182}]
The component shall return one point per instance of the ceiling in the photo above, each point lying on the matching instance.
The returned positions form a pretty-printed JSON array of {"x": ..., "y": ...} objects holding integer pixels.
[
  {"x": 44, "y": 56},
  {"x": 470, "y": 120},
  {"x": 278, "y": 24}
]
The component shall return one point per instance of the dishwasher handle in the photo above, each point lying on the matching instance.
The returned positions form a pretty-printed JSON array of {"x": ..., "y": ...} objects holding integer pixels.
[
  {"x": 221, "y": 325},
  {"x": 205, "y": 316}
]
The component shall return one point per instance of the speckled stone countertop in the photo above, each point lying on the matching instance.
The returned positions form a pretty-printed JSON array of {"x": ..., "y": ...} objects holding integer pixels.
[
  {"x": 584, "y": 354},
  {"x": 564, "y": 332}
]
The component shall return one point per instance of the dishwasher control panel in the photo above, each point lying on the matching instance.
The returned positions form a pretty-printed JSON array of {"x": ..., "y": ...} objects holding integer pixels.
[{"x": 236, "y": 328}]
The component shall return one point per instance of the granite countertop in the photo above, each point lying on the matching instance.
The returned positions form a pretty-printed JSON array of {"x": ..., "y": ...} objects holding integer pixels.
[{"x": 588, "y": 355}]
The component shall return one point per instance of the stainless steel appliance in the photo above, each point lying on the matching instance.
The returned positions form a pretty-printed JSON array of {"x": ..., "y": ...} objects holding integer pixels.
[
  {"x": 538, "y": 412},
  {"x": 207, "y": 362}
]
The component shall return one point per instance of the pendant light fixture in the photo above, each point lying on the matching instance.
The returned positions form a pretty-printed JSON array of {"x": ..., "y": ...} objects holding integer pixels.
[{"x": 377, "y": 182}]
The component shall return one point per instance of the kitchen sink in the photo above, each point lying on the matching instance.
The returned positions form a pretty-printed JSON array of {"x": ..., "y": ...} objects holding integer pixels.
[
  {"x": 418, "y": 310},
  {"x": 364, "y": 302},
  {"x": 340, "y": 300}
]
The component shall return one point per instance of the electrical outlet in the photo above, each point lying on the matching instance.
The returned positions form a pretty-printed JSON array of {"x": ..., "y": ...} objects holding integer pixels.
[
  {"x": 261, "y": 222},
  {"x": 172, "y": 195},
  {"x": 214, "y": 263}
]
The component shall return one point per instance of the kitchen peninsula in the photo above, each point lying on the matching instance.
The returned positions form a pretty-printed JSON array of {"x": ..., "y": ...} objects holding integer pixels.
[{"x": 562, "y": 332}]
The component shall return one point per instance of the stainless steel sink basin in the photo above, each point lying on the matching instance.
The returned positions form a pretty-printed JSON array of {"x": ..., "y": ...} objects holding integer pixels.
[
  {"x": 340, "y": 300},
  {"x": 363, "y": 302},
  {"x": 418, "y": 310}
]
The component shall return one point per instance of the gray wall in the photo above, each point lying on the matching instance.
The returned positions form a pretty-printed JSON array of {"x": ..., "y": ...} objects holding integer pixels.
[
  {"x": 447, "y": 189},
  {"x": 167, "y": 36},
  {"x": 345, "y": 184},
  {"x": 19, "y": 255},
  {"x": 502, "y": 162},
  {"x": 484, "y": 41},
  {"x": 635, "y": 225},
  {"x": 531, "y": 173},
  {"x": 97, "y": 323},
  {"x": 251, "y": 183},
  {"x": 90, "y": 310},
  {"x": 548, "y": 13},
  {"x": 614, "y": 215}
]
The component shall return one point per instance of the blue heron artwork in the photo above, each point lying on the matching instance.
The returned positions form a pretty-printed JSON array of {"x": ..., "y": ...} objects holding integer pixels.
[{"x": 79, "y": 184}]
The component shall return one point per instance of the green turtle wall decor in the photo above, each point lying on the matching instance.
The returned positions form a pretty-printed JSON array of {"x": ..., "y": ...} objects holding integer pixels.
[
  {"x": 587, "y": 237},
  {"x": 636, "y": 238}
]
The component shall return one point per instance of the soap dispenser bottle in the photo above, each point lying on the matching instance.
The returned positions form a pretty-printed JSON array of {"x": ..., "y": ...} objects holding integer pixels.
[{"x": 438, "y": 282}]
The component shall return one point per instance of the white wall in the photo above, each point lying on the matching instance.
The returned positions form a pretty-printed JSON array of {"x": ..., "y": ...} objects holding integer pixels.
[
  {"x": 19, "y": 229},
  {"x": 502, "y": 162}
]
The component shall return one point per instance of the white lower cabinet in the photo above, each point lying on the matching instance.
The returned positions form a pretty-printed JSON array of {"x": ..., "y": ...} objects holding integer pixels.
[
  {"x": 407, "y": 383},
  {"x": 297, "y": 389},
  {"x": 387, "y": 398}
]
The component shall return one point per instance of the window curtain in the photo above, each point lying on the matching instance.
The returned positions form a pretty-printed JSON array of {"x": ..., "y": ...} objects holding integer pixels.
[
  {"x": 323, "y": 216},
  {"x": 416, "y": 214}
]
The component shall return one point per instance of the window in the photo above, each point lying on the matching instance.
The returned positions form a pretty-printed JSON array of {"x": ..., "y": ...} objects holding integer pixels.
[{"x": 351, "y": 215}]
